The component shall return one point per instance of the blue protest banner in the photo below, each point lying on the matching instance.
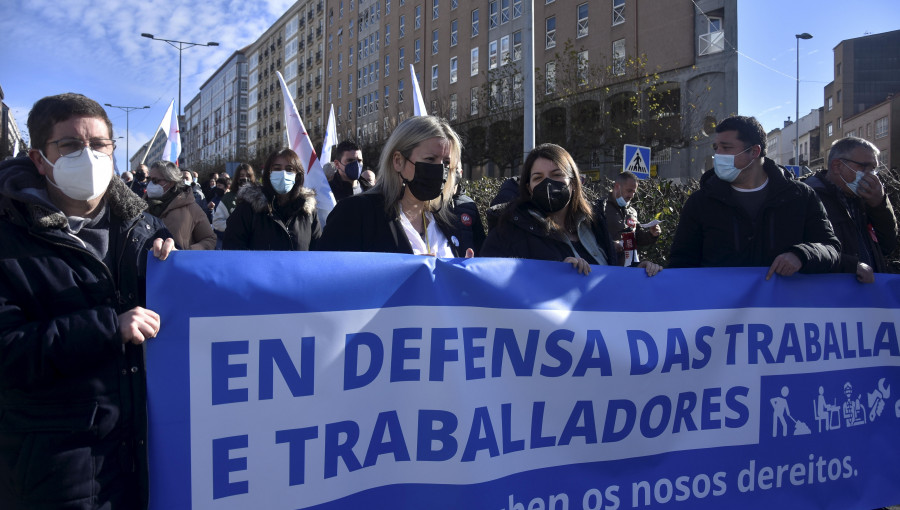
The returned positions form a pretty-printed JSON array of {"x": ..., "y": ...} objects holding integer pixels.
[{"x": 331, "y": 381}]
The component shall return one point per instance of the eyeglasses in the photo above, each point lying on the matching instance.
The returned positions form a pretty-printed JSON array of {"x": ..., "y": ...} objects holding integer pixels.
[
  {"x": 866, "y": 167},
  {"x": 73, "y": 147}
]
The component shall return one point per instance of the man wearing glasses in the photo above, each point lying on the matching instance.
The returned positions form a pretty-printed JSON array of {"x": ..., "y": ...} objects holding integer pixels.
[
  {"x": 74, "y": 247},
  {"x": 857, "y": 206}
]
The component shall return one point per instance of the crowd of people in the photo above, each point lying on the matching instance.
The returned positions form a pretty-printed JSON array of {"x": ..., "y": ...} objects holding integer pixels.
[{"x": 76, "y": 238}]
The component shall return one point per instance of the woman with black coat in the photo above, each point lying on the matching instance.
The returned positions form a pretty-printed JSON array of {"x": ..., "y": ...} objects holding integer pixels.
[
  {"x": 280, "y": 214},
  {"x": 551, "y": 219}
]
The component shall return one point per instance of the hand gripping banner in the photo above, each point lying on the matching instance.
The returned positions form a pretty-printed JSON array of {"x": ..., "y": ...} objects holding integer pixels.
[{"x": 332, "y": 381}]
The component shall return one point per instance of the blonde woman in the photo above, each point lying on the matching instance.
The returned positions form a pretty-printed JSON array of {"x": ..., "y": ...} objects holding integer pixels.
[{"x": 408, "y": 209}]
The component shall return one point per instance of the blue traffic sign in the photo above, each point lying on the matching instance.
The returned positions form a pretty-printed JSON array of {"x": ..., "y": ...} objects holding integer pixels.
[{"x": 637, "y": 161}]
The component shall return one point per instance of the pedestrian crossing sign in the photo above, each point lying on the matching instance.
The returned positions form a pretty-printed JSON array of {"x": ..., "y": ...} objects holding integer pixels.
[{"x": 637, "y": 161}]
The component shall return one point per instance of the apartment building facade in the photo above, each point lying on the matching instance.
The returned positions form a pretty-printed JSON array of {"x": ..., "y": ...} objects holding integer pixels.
[
  {"x": 293, "y": 46},
  {"x": 866, "y": 72},
  {"x": 607, "y": 72},
  {"x": 214, "y": 126}
]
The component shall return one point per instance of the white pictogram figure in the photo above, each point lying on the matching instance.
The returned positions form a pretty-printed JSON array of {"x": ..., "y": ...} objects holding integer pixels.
[
  {"x": 876, "y": 399},
  {"x": 852, "y": 409},
  {"x": 823, "y": 412}
]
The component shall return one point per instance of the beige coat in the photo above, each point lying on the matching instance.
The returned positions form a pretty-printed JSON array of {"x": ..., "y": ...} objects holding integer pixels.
[{"x": 188, "y": 224}]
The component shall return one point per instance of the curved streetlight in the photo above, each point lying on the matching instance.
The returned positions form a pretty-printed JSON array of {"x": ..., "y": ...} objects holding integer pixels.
[
  {"x": 180, "y": 46},
  {"x": 127, "y": 110},
  {"x": 804, "y": 35}
]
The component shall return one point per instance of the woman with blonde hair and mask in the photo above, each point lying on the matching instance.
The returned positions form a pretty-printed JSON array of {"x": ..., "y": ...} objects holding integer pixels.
[
  {"x": 552, "y": 219},
  {"x": 172, "y": 201},
  {"x": 408, "y": 209}
]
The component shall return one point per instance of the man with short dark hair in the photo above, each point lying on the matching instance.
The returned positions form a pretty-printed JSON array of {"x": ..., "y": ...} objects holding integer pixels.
[
  {"x": 139, "y": 184},
  {"x": 622, "y": 221},
  {"x": 347, "y": 160},
  {"x": 859, "y": 210},
  {"x": 750, "y": 212},
  {"x": 72, "y": 321}
]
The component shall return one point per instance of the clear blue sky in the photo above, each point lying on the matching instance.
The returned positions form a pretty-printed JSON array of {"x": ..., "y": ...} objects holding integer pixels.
[{"x": 94, "y": 47}]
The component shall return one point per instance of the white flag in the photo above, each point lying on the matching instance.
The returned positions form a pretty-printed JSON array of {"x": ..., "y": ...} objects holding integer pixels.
[
  {"x": 302, "y": 145},
  {"x": 330, "y": 137},
  {"x": 169, "y": 127},
  {"x": 419, "y": 103}
]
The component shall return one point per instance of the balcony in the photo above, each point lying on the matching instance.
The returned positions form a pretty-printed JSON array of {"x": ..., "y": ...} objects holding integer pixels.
[
  {"x": 308, "y": 110},
  {"x": 319, "y": 6},
  {"x": 318, "y": 105},
  {"x": 318, "y": 80},
  {"x": 308, "y": 87},
  {"x": 319, "y": 32},
  {"x": 713, "y": 42},
  {"x": 300, "y": 67},
  {"x": 309, "y": 38}
]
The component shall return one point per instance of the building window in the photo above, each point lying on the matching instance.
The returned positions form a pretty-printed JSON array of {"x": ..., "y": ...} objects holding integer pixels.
[
  {"x": 473, "y": 101},
  {"x": 518, "y": 88},
  {"x": 829, "y": 103},
  {"x": 839, "y": 123},
  {"x": 881, "y": 127},
  {"x": 474, "y": 22},
  {"x": 618, "y": 51},
  {"x": 618, "y": 14},
  {"x": 453, "y": 107},
  {"x": 387, "y": 35},
  {"x": 504, "y": 11},
  {"x": 837, "y": 71},
  {"x": 494, "y": 15},
  {"x": 474, "y": 62},
  {"x": 387, "y": 6},
  {"x": 582, "y": 27},
  {"x": 453, "y": 69},
  {"x": 417, "y": 51},
  {"x": 434, "y": 77},
  {"x": 454, "y": 31},
  {"x": 434, "y": 42},
  {"x": 401, "y": 58},
  {"x": 387, "y": 96},
  {"x": 583, "y": 64},
  {"x": 402, "y": 26},
  {"x": 550, "y": 25},
  {"x": 418, "y": 17},
  {"x": 713, "y": 41},
  {"x": 829, "y": 129},
  {"x": 434, "y": 9},
  {"x": 838, "y": 96},
  {"x": 517, "y": 46},
  {"x": 400, "y": 91},
  {"x": 387, "y": 65},
  {"x": 550, "y": 78},
  {"x": 517, "y": 8},
  {"x": 492, "y": 55},
  {"x": 504, "y": 50}
]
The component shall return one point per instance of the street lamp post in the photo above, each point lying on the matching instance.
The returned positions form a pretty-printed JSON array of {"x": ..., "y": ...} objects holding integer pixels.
[
  {"x": 804, "y": 35},
  {"x": 180, "y": 46},
  {"x": 127, "y": 110}
]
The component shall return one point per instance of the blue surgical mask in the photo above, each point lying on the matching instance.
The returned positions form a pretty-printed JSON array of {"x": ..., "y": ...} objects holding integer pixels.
[
  {"x": 853, "y": 186},
  {"x": 724, "y": 165},
  {"x": 353, "y": 170},
  {"x": 282, "y": 181},
  {"x": 621, "y": 201}
]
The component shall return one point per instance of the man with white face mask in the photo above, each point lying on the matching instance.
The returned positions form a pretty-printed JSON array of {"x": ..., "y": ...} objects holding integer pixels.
[
  {"x": 72, "y": 321},
  {"x": 751, "y": 212},
  {"x": 857, "y": 206}
]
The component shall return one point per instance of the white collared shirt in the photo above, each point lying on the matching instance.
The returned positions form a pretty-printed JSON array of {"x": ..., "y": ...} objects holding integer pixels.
[{"x": 437, "y": 242}]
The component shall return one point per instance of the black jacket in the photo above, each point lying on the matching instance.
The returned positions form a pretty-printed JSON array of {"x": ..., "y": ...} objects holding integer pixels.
[
  {"x": 878, "y": 220},
  {"x": 342, "y": 189},
  {"x": 715, "y": 231},
  {"x": 258, "y": 224},
  {"x": 72, "y": 395},
  {"x": 522, "y": 233},
  {"x": 359, "y": 223},
  {"x": 471, "y": 227}
]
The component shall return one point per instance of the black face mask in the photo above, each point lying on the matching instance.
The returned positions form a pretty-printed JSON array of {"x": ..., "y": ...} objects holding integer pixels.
[
  {"x": 428, "y": 182},
  {"x": 550, "y": 196},
  {"x": 353, "y": 170}
]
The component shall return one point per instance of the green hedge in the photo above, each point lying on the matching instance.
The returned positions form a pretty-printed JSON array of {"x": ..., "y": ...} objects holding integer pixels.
[{"x": 659, "y": 199}]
